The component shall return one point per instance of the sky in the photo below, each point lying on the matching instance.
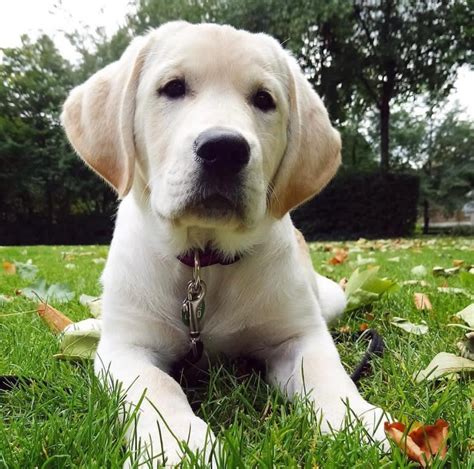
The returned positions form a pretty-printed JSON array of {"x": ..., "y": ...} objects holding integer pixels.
[{"x": 56, "y": 16}]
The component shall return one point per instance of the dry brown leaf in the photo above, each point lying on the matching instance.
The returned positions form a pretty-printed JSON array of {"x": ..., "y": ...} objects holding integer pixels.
[
  {"x": 458, "y": 262},
  {"x": 55, "y": 320},
  {"x": 363, "y": 327},
  {"x": 422, "y": 301},
  {"x": 422, "y": 443},
  {"x": 9, "y": 268},
  {"x": 340, "y": 256}
]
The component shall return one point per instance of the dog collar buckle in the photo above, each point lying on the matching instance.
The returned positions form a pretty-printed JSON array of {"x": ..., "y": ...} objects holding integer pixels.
[{"x": 192, "y": 311}]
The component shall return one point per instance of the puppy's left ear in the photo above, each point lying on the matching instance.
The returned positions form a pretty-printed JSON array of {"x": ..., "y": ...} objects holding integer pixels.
[{"x": 313, "y": 152}]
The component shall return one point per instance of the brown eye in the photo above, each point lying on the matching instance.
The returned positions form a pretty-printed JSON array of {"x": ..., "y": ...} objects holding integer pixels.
[
  {"x": 263, "y": 100},
  {"x": 174, "y": 89}
]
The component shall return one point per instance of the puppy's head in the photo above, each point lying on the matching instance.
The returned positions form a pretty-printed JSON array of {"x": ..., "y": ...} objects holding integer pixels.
[{"x": 212, "y": 126}]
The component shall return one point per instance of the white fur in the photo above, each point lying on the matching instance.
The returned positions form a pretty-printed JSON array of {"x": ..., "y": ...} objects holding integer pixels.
[{"x": 270, "y": 304}]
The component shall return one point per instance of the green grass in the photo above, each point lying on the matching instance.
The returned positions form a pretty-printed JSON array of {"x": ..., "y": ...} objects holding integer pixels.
[{"x": 66, "y": 420}]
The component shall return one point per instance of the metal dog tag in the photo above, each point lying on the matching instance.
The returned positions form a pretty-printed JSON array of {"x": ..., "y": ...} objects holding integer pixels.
[{"x": 192, "y": 312}]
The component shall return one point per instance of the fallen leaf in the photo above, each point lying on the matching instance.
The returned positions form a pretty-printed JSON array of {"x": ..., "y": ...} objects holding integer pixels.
[
  {"x": 339, "y": 257},
  {"x": 422, "y": 301},
  {"x": 422, "y": 443},
  {"x": 343, "y": 283},
  {"x": 59, "y": 293},
  {"x": 419, "y": 271},
  {"x": 79, "y": 340},
  {"x": 365, "y": 260},
  {"x": 458, "y": 262},
  {"x": 345, "y": 329},
  {"x": 364, "y": 288},
  {"x": 466, "y": 347},
  {"x": 467, "y": 315},
  {"x": 363, "y": 327},
  {"x": 406, "y": 325},
  {"x": 55, "y": 320},
  {"x": 455, "y": 291},
  {"x": 27, "y": 270},
  {"x": 93, "y": 303},
  {"x": 421, "y": 283},
  {"x": 69, "y": 255},
  {"x": 443, "y": 364},
  {"x": 98, "y": 260},
  {"x": 5, "y": 299},
  {"x": 441, "y": 271},
  {"x": 9, "y": 268}
]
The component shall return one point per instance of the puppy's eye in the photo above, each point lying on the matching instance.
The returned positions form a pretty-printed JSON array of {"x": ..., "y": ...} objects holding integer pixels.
[
  {"x": 263, "y": 100},
  {"x": 174, "y": 89}
]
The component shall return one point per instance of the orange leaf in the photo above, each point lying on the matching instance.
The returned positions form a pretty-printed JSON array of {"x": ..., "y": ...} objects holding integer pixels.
[
  {"x": 340, "y": 256},
  {"x": 9, "y": 268},
  {"x": 422, "y": 443},
  {"x": 422, "y": 301},
  {"x": 363, "y": 327},
  {"x": 55, "y": 320}
]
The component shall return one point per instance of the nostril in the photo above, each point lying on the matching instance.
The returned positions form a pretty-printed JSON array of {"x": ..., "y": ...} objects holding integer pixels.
[{"x": 222, "y": 149}]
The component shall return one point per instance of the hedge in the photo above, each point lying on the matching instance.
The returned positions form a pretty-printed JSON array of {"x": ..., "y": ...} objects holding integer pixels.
[
  {"x": 351, "y": 206},
  {"x": 367, "y": 205}
]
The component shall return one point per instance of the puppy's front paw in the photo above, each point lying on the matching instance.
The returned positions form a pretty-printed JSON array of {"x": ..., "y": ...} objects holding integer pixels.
[
  {"x": 373, "y": 419},
  {"x": 344, "y": 415},
  {"x": 159, "y": 445}
]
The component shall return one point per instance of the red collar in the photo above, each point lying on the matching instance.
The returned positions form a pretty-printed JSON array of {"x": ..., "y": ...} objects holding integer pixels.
[{"x": 207, "y": 257}]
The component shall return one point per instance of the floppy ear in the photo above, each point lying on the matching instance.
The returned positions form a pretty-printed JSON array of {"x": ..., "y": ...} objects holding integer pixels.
[
  {"x": 313, "y": 152},
  {"x": 99, "y": 118}
]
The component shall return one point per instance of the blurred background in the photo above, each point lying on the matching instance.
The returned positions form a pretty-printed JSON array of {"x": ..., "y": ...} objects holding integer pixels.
[{"x": 395, "y": 75}]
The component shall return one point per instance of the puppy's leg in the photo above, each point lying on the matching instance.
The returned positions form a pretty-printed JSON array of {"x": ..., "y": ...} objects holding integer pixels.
[
  {"x": 331, "y": 297},
  {"x": 311, "y": 366},
  {"x": 164, "y": 417}
]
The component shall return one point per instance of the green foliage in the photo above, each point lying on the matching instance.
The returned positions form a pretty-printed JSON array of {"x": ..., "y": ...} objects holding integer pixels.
[
  {"x": 367, "y": 205},
  {"x": 41, "y": 177}
]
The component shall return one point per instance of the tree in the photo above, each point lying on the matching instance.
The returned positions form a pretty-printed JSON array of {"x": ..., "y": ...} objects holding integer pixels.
[
  {"x": 358, "y": 55},
  {"x": 448, "y": 171},
  {"x": 41, "y": 177},
  {"x": 34, "y": 79},
  {"x": 404, "y": 48}
]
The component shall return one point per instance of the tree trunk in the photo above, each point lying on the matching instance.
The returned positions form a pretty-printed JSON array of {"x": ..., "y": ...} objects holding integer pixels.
[
  {"x": 388, "y": 84},
  {"x": 426, "y": 216},
  {"x": 384, "y": 134},
  {"x": 50, "y": 213}
]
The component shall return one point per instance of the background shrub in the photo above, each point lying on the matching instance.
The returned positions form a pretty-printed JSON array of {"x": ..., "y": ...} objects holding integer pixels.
[{"x": 368, "y": 205}]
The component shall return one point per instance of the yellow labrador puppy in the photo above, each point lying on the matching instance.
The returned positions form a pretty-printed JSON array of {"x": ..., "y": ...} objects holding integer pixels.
[{"x": 210, "y": 136}]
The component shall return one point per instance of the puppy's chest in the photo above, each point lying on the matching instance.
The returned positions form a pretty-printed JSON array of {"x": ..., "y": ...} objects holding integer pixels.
[{"x": 241, "y": 322}]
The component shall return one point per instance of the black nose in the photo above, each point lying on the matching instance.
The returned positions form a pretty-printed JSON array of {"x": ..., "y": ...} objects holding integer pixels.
[{"x": 222, "y": 150}]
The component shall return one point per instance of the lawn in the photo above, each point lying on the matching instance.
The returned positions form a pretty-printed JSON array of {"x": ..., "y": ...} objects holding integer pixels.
[{"x": 65, "y": 419}]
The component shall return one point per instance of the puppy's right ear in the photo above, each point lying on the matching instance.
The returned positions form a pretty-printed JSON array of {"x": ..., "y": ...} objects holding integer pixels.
[{"x": 99, "y": 117}]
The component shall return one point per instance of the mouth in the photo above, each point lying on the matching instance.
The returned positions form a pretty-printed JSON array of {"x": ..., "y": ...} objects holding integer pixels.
[{"x": 214, "y": 206}]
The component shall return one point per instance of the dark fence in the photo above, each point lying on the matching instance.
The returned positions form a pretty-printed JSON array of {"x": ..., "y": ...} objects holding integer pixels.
[{"x": 355, "y": 205}]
